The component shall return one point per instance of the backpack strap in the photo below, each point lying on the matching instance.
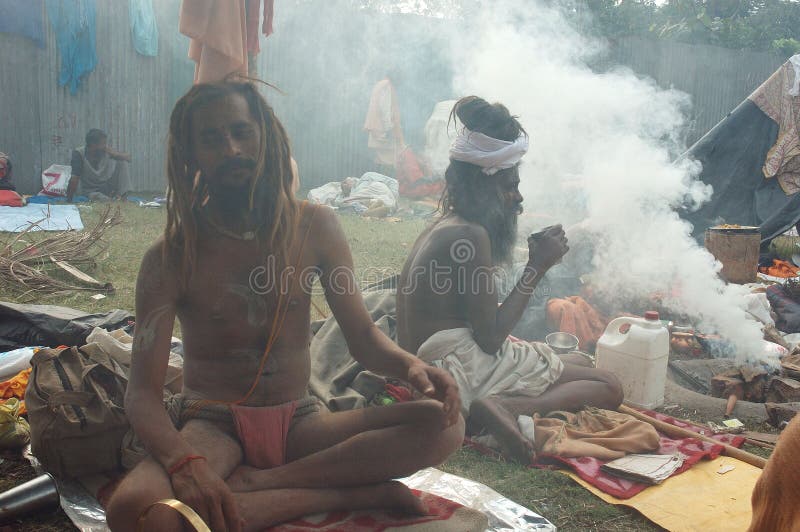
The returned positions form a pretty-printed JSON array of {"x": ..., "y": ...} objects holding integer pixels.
[
  {"x": 43, "y": 355},
  {"x": 70, "y": 397}
]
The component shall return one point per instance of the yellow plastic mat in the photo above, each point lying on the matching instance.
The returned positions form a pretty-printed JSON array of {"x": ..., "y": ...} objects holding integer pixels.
[{"x": 699, "y": 499}]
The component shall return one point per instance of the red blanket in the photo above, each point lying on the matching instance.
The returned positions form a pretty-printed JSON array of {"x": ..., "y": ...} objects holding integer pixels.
[
  {"x": 447, "y": 515},
  {"x": 588, "y": 469},
  {"x": 693, "y": 450}
]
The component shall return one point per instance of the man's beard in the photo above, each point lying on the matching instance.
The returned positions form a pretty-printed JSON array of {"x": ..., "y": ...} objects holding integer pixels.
[
  {"x": 231, "y": 198},
  {"x": 501, "y": 224}
]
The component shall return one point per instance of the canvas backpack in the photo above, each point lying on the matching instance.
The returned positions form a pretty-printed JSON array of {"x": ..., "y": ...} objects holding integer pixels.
[{"x": 75, "y": 401}]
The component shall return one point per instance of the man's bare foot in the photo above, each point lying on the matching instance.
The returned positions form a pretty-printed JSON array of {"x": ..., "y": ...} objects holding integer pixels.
[
  {"x": 491, "y": 415},
  {"x": 394, "y": 495},
  {"x": 391, "y": 495}
]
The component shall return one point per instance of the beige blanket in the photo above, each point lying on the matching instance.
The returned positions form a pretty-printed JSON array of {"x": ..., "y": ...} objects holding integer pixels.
[{"x": 601, "y": 434}]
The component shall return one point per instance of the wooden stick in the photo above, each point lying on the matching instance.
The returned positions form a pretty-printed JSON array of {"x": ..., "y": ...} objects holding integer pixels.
[
  {"x": 678, "y": 432},
  {"x": 731, "y": 404}
]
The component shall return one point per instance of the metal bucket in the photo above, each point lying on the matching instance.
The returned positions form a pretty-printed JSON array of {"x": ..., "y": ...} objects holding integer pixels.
[
  {"x": 737, "y": 249},
  {"x": 37, "y": 495}
]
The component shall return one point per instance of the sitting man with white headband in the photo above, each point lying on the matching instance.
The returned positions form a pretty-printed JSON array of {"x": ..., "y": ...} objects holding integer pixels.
[{"x": 447, "y": 301}]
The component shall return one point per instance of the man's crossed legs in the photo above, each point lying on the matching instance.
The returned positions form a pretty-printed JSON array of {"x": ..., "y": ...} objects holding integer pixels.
[{"x": 343, "y": 460}]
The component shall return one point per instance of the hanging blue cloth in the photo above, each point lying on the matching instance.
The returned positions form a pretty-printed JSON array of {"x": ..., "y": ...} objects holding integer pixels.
[
  {"x": 143, "y": 27},
  {"x": 23, "y": 18},
  {"x": 73, "y": 22}
]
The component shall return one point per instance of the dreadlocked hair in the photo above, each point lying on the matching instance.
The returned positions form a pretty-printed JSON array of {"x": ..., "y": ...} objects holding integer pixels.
[
  {"x": 271, "y": 192},
  {"x": 467, "y": 186}
]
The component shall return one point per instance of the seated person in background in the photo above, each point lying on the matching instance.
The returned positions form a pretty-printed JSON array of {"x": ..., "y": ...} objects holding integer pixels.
[
  {"x": 447, "y": 302},
  {"x": 8, "y": 192},
  {"x": 244, "y": 441},
  {"x": 5, "y": 173},
  {"x": 98, "y": 171}
]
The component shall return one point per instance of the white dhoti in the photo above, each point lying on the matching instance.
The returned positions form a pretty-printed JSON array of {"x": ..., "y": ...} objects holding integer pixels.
[{"x": 518, "y": 368}]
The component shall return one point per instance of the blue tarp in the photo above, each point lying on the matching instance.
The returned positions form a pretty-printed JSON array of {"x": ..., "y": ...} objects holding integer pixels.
[
  {"x": 144, "y": 29},
  {"x": 23, "y": 18},
  {"x": 73, "y": 22}
]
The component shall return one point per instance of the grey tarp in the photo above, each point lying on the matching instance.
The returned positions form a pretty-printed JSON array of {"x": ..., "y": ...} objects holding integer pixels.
[
  {"x": 51, "y": 326},
  {"x": 753, "y": 186},
  {"x": 339, "y": 381},
  {"x": 732, "y": 155}
]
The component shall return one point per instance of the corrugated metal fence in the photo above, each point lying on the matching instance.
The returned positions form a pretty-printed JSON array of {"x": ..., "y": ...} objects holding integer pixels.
[
  {"x": 128, "y": 95},
  {"x": 718, "y": 79},
  {"x": 325, "y": 73}
]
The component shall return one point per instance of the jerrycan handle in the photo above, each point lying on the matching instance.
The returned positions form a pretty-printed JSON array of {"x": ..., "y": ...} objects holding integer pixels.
[{"x": 613, "y": 334}]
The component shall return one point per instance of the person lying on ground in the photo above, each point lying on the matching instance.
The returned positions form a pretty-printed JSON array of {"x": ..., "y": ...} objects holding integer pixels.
[
  {"x": 246, "y": 447},
  {"x": 447, "y": 301},
  {"x": 98, "y": 172}
]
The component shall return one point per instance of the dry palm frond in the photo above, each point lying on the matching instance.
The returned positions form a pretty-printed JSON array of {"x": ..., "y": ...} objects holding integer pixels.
[{"x": 24, "y": 265}]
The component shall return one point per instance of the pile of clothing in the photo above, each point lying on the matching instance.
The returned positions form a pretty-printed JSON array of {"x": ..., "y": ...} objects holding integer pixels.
[{"x": 373, "y": 195}]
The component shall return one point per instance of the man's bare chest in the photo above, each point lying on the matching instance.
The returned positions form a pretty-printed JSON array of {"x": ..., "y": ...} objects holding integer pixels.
[{"x": 246, "y": 291}]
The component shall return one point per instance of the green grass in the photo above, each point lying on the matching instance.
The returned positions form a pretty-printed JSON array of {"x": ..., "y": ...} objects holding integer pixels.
[{"x": 380, "y": 247}]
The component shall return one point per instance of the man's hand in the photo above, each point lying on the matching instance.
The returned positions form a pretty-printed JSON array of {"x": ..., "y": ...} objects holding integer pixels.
[
  {"x": 118, "y": 155},
  {"x": 197, "y": 485},
  {"x": 437, "y": 384},
  {"x": 546, "y": 248}
]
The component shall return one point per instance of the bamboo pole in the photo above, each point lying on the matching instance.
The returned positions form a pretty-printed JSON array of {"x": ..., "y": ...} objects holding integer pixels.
[{"x": 672, "y": 430}]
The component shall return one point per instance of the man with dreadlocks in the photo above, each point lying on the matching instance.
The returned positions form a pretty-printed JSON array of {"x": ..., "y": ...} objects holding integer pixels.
[
  {"x": 447, "y": 302},
  {"x": 243, "y": 445}
]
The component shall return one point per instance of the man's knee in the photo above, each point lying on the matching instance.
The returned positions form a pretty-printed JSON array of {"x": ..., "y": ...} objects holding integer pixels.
[
  {"x": 129, "y": 503},
  {"x": 441, "y": 441},
  {"x": 144, "y": 485},
  {"x": 614, "y": 394}
]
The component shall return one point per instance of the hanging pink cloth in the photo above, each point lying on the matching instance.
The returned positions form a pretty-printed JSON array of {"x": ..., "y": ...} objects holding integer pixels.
[
  {"x": 222, "y": 33},
  {"x": 253, "y": 12}
]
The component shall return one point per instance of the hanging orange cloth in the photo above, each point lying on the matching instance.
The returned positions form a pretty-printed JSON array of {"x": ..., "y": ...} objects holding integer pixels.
[{"x": 781, "y": 268}]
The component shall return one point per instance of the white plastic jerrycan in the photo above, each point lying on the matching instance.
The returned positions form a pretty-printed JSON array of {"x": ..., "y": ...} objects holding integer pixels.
[{"x": 638, "y": 357}]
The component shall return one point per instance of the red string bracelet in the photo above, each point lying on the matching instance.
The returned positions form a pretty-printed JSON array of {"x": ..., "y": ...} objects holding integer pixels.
[{"x": 183, "y": 461}]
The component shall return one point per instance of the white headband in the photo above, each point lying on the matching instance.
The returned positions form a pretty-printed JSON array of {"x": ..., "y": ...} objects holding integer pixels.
[{"x": 489, "y": 153}]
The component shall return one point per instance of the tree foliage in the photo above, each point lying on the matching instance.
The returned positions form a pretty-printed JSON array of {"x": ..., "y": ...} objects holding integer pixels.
[{"x": 754, "y": 24}]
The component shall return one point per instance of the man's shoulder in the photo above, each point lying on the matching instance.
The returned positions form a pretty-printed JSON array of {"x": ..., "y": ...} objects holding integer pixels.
[
  {"x": 456, "y": 229},
  {"x": 158, "y": 270},
  {"x": 155, "y": 257}
]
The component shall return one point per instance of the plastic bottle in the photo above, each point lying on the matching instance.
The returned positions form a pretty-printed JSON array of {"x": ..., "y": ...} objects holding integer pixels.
[{"x": 638, "y": 356}]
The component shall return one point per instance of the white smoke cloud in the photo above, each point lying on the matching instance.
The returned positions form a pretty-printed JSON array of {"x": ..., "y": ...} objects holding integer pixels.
[{"x": 602, "y": 152}]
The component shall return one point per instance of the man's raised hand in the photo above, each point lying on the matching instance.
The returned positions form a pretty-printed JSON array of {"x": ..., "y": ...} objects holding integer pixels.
[
  {"x": 437, "y": 384},
  {"x": 547, "y": 247}
]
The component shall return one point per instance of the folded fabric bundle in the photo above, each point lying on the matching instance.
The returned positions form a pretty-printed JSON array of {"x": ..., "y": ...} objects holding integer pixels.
[
  {"x": 593, "y": 432},
  {"x": 693, "y": 450},
  {"x": 14, "y": 430},
  {"x": 575, "y": 316},
  {"x": 786, "y": 309}
]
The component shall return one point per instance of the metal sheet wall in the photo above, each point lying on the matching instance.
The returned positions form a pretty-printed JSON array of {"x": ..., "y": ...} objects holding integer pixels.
[
  {"x": 127, "y": 95},
  {"x": 325, "y": 73},
  {"x": 717, "y": 79}
]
